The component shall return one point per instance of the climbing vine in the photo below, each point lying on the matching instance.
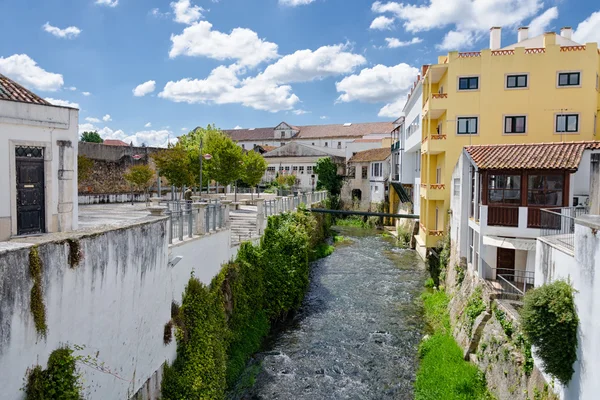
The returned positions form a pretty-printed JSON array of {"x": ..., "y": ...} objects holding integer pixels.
[
  {"x": 550, "y": 322},
  {"x": 475, "y": 306},
  {"x": 75, "y": 253},
  {"x": 36, "y": 302},
  {"x": 59, "y": 381}
]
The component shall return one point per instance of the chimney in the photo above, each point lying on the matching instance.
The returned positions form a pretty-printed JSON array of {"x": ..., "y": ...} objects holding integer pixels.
[
  {"x": 523, "y": 33},
  {"x": 495, "y": 38},
  {"x": 549, "y": 39},
  {"x": 566, "y": 32}
]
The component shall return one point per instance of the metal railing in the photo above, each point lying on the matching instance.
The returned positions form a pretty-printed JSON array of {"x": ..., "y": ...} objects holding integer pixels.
[
  {"x": 558, "y": 225},
  {"x": 184, "y": 219},
  {"x": 514, "y": 281}
]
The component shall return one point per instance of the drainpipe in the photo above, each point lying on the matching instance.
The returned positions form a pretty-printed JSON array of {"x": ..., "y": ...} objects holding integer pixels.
[{"x": 595, "y": 184}]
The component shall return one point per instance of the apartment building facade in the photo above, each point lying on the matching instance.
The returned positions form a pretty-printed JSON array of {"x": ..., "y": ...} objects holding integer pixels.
[{"x": 540, "y": 89}]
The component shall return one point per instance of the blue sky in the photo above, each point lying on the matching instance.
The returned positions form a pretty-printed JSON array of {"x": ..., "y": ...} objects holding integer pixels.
[{"x": 146, "y": 70}]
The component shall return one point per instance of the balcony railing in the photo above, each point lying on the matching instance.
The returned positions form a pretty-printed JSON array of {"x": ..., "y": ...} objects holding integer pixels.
[
  {"x": 558, "y": 225},
  {"x": 514, "y": 281},
  {"x": 503, "y": 216},
  {"x": 439, "y": 96}
]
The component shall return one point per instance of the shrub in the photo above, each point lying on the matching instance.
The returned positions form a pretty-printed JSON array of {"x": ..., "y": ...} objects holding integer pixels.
[
  {"x": 549, "y": 321},
  {"x": 475, "y": 306},
  {"x": 59, "y": 381}
]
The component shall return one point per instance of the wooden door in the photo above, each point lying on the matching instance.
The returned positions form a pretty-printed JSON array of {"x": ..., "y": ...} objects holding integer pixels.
[{"x": 505, "y": 263}]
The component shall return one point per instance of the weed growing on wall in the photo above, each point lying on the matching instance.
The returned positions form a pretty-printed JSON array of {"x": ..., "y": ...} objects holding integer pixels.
[
  {"x": 475, "y": 306},
  {"x": 59, "y": 381},
  {"x": 549, "y": 321},
  {"x": 75, "y": 253},
  {"x": 36, "y": 302}
]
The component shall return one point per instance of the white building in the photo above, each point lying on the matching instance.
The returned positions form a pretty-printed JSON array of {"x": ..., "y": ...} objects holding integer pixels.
[
  {"x": 38, "y": 163},
  {"x": 300, "y": 160},
  {"x": 367, "y": 178},
  {"x": 334, "y": 136},
  {"x": 506, "y": 196}
]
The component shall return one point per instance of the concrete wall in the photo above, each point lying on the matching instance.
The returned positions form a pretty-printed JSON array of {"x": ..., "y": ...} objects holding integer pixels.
[
  {"x": 583, "y": 271},
  {"x": 55, "y": 129},
  {"x": 115, "y": 303}
]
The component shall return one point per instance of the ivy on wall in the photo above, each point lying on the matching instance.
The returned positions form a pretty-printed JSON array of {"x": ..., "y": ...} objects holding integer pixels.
[
  {"x": 36, "y": 302},
  {"x": 59, "y": 381}
]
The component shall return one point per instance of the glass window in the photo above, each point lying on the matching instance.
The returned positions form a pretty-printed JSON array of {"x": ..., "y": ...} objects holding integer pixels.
[
  {"x": 365, "y": 172},
  {"x": 301, "y": 169},
  {"x": 339, "y": 145},
  {"x": 468, "y": 83},
  {"x": 287, "y": 168},
  {"x": 467, "y": 125},
  {"x": 309, "y": 169},
  {"x": 516, "y": 81},
  {"x": 514, "y": 124},
  {"x": 295, "y": 168},
  {"x": 376, "y": 170},
  {"x": 545, "y": 190},
  {"x": 456, "y": 187},
  {"x": 504, "y": 189},
  {"x": 326, "y": 144},
  {"x": 567, "y": 123},
  {"x": 569, "y": 78}
]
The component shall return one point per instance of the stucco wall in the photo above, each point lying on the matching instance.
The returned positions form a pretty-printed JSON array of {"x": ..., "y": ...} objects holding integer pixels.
[
  {"x": 115, "y": 303},
  {"x": 583, "y": 271}
]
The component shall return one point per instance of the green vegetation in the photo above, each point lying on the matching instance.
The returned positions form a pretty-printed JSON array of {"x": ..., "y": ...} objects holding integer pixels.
[
  {"x": 254, "y": 167},
  {"x": 549, "y": 321},
  {"x": 404, "y": 236},
  {"x": 75, "y": 252},
  {"x": 353, "y": 221},
  {"x": 140, "y": 176},
  {"x": 443, "y": 373},
  {"x": 328, "y": 179},
  {"x": 219, "y": 327},
  {"x": 84, "y": 168},
  {"x": 475, "y": 306},
  {"x": 91, "y": 137},
  {"x": 59, "y": 381},
  {"x": 437, "y": 265},
  {"x": 36, "y": 302},
  {"x": 505, "y": 323}
]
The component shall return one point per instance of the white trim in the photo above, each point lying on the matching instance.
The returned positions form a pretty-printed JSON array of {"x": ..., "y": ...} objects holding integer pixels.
[
  {"x": 515, "y": 74},
  {"x": 569, "y": 72},
  {"x": 556, "y": 132},
  {"x": 467, "y": 134},
  {"x": 514, "y": 133},
  {"x": 458, "y": 78}
]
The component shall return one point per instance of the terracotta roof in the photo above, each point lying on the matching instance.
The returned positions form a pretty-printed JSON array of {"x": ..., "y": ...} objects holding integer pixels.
[
  {"x": 114, "y": 142},
  {"x": 367, "y": 140},
  {"x": 268, "y": 148},
  {"x": 380, "y": 154},
  {"x": 553, "y": 156},
  {"x": 12, "y": 91},
  {"x": 314, "y": 131}
]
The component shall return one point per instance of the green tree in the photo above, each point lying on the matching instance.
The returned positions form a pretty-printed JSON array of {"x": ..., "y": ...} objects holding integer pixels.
[
  {"x": 84, "y": 168},
  {"x": 329, "y": 179},
  {"x": 140, "y": 176},
  {"x": 226, "y": 164},
  {"x": 174, "y": 164},
  {"x": 91, "y": 137},
  {"x": 254, "y": 167}
]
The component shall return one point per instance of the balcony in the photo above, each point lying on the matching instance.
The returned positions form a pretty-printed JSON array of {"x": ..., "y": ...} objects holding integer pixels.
[
  {"x": 436, "y": 105},
  {"x": 435, "y": 191},
  {"x": 514, "y": 282},
  {"x": 434, "y": 144},
  {"x": 395, "y": 146},
  {"x": 558, "y": 226}
]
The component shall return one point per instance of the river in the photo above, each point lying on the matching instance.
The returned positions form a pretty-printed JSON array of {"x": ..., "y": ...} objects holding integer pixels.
[{"x": 357, "y": 333}]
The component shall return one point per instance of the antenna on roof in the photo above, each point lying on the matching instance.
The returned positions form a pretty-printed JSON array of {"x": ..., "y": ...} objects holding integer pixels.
[{"x": 348, "y": 124}]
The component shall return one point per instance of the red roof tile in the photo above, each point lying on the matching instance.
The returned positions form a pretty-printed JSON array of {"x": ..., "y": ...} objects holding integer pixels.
[
  {"x": 12, "y": 91},
  {"x": 553, "y": 156},
  {"x": 371, "y": 155},
  {"x": 114, "y": 142}
]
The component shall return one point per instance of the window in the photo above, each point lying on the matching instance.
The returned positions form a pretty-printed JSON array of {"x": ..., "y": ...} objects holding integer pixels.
[
  {"x": 309, "y": 169},
  {"x": 439, "y": 129},
  {"x": 351, "y": 171},
  {"x": 287, "y": 168},
  {"x": 567, "y": 123},
  {"x": 456, "y": 188},
  {"x": 301, "y": 169},
  {"x": 365, "y": 172},
  {"x": 414, "y": 126},
  {"x": 376, "y": 189},
  {"x": 504, "y": 189},
  {"x": 514, "y": 124},
  {"x": 313, "y": 143},
  {"x": 437, "y": 217},
  {"x": 569, "y": 78},
  {"x": 545, "y": 190},
  {"x": 339, "y": 145},
  {"x": 326, "y": 144},
  {"x": 282, "y": 144},
  {"x": 295, "y": 168},
  {"x": 516, "y": 81},
  {"x": 271, "y": 169},
  {"x": 468, "y": 83},
  {"x": 467, "y": 126},
  {"x": 243, "y": 146},
  {"x": 418, "y": 163},
  {"x": 438, "y": 175},
  {"x": 376, "y": 170},
  {"x": 280, "y": 168},
  {"x": 282, "y": 134}
]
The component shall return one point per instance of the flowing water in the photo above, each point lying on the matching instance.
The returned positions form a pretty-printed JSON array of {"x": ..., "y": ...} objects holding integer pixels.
[{"x": 357, "y": 333}]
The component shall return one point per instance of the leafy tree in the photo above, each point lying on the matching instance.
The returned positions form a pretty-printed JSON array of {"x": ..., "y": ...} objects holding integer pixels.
[
  {"x": 84, "y": 168},
  {"x": 226, "y": 164},
  {"x": 254, "y": 167},
  {"x": 329, "y": 179},
  {"x": 290, "y": 180},
  {"x": 174, "y": 164},
  {"x": 140, "y": 176},
  {"x": 91, "y": 137}
]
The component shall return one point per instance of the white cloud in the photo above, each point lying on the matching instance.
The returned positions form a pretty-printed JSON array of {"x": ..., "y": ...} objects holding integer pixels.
[
  {"x": 323, "y": 117},
  {"x": 238, "y": 127},
  {"x": 24, "y": 70},
  {"x": 62, "y": 103},
  {"x": 108, "y": 3},
  {"x": 70, "y": 32},
  {"x": 242, "y": 45},
  {"x": 92, "y": 120},
  {"x": 470, "y": 19},
  {"x": 185, "y": 12},
  {"x": 540, "y": 24},
  {"x": 294, "y": 3},
  {"x": 86, "y": 93},
  {"x": 154, "y": 138},
  {"x": 148, "y": 125},
  {"x": 155, "y": 12},
  {"x": 144, "y": 88},
  {"x": 184, "y": 129},
  {"x": 71, "y": 88},
  {"x": 382, "y": 22},
  {"x": 378, "y": 85},
  {"x": 588, "y": 30},
  {"x": 107, "y": 118},
  {"x": 300, "y": 112},
  {"x": 394, "y": 43}
]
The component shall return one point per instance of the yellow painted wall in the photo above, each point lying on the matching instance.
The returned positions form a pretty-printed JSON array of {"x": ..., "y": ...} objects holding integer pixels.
[{"x": 540, "y": 102}]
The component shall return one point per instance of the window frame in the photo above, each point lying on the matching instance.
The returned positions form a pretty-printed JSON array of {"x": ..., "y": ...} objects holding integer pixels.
[
  {"x": 494, "y": 175},
  {"x": 364, "y": 173},
  {"x": 506, "y": 117},
  {"x": 569, "y": 73},
  {"x": 516, "y": 76},
  {"x": 468, "y": 78},
  {"x": 458, "y": 118},
  {"x": 567, "y": 115}
]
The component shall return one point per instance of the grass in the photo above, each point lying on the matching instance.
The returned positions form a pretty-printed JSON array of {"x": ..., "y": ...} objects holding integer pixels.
[
  {"x": 339, "y": 240},
  {"x": 323, "y": 250},
  {"x": 443, "y": 373},
  {"x": 354, "y": 221}
]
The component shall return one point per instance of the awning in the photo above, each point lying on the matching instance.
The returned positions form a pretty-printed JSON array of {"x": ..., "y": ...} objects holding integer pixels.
[
  {"x": 404, "y": 197},
  {"x": 509, "y": 243}
]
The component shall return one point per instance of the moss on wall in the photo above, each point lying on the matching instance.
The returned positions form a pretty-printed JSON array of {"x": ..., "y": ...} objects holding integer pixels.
[{"x": 36, "y": 302}]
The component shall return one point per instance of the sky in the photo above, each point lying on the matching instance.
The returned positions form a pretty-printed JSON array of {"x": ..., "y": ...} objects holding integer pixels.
[{"x": 147, "y": 71}]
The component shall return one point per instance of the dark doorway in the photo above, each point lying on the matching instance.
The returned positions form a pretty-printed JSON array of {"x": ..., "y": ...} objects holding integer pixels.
[
  {"x": 505, "y": 263},
  {"x": 30, "y": 190},
  {"x": 356, "y": 195}
]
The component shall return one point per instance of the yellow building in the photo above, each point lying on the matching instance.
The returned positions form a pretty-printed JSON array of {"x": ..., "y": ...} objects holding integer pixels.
[{"x": 540, "y": 89}]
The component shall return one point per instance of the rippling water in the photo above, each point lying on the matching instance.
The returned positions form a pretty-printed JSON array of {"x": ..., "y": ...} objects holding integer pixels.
[{"x": 357, "y": 333}]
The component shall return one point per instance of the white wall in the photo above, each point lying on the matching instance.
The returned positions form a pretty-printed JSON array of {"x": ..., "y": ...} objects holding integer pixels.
[
  {"x": 583, "y": 271},
  {"x": 459, "y": 205},
  {"x": 115, "y": 303},
  {"x": 354, "y": 147},
  {"x": 305, "y": 178},
  {"x": 42, "y": 126},
  {"x": 413, "y": 109}
]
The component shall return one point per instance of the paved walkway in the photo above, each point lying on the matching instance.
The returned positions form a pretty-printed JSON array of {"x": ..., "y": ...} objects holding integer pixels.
[{"x": 91, "y": 216}]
